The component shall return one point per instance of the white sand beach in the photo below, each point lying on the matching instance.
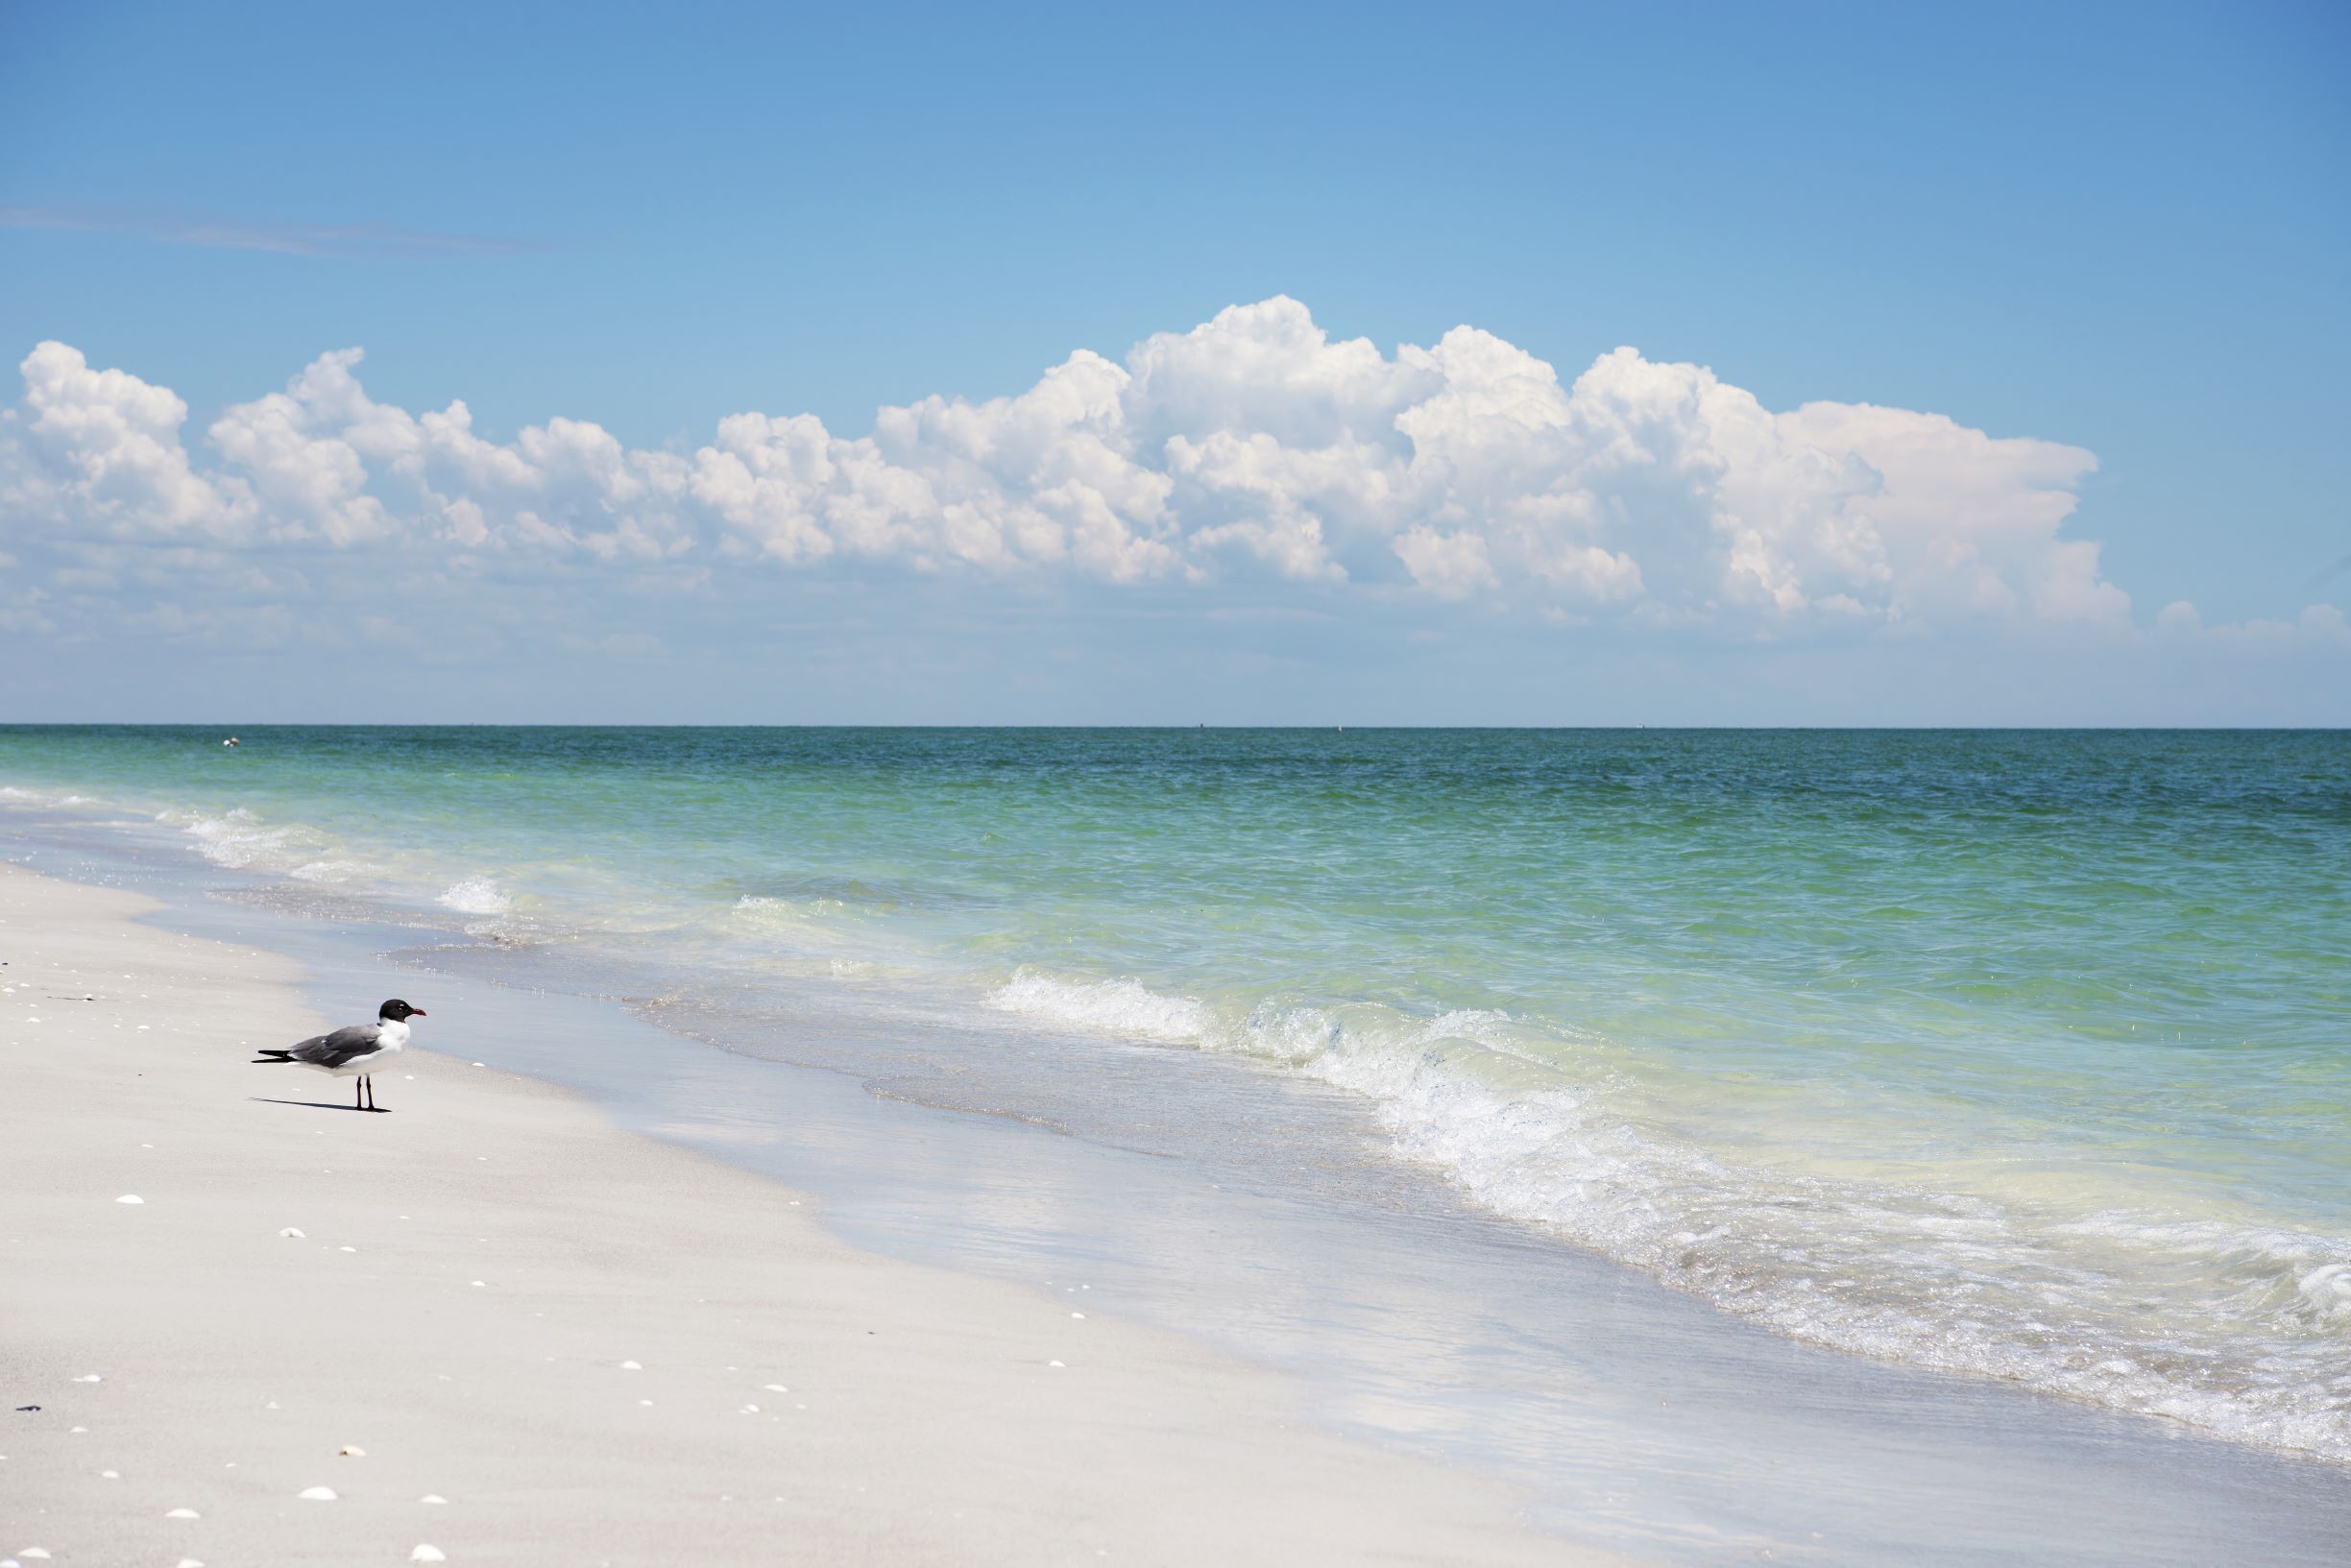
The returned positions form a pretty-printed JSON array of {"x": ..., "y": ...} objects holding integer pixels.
[{"x": 495, "y": 1327}]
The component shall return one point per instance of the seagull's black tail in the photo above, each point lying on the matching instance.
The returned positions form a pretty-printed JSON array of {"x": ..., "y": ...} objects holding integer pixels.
[{"x": 282, "y": 1058}]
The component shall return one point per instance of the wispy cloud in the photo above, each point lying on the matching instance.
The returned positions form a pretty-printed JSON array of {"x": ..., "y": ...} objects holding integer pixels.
[
  {"x": 344, "y": 241},
  {"x": 2327, "y": 574}
]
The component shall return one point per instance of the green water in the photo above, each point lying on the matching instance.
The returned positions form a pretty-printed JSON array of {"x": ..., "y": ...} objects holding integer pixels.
[{"x": 2025, "y": 1054}]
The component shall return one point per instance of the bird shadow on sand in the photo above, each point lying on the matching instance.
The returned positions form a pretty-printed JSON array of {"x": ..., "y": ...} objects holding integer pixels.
[{"x": 321, "y": 1105}]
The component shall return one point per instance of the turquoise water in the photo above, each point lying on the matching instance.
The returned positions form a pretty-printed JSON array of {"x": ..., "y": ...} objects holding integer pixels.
[{"x": 2025, "y": 1056}]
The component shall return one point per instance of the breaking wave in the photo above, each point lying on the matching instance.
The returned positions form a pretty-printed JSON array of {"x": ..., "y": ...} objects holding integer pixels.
[{"x": 2235, "y": 1329}]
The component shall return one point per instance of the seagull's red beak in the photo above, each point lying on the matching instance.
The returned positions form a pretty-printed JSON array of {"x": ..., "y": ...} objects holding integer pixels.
[{"x": 416, "y": 1012}]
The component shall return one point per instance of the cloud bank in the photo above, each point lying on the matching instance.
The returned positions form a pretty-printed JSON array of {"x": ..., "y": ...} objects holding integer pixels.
[
  {"x": 1253, "y": 446},
  {"x": 1252, "y": 467}
]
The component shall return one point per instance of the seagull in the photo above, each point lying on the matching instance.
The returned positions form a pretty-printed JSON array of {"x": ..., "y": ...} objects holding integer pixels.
[{"x": 353, "y": 1052}]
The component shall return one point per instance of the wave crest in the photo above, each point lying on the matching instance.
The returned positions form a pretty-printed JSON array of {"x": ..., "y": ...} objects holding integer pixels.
[{"x": 475, "y": 896}]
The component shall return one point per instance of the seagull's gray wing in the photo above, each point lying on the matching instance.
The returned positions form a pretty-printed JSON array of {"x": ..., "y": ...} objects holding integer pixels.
[{"x": 332, "y": 1050}]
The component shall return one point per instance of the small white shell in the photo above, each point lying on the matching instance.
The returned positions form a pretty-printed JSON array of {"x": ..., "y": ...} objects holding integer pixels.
[
  {"x": 317, "y": 1494},
  {"x": 352, "y": 1450},
  {"x": 427, "y": 1554},
  {"x": 130, "y": 1198},
  {"x": 184, "y": 1513},
  {"x": 291, "y": 1234}
]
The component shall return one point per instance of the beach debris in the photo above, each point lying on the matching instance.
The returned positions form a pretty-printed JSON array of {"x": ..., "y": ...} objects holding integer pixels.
[
  {"x": 1080, "y": 1317},
  {"x": 291, "y": 1234},
  {"x": 748, "y": 1410},
  {"x": 632, "y": 1367},
  {"x": 434, "y": 1498},
  {"x": 184, "y": 1513},
  {"x": 21, "y": 1409},
  {"x": 347, "y": 1249},
  {"x": 427, "y": 1554},
  {"x": 352, "y": 1451},
  {"x": 34, "y": 1551},
  {"x": 89, "y": 1377},
  {"x": 775, "y": 1387},
  {"x": 130, "y": 1198},
  {"x": 1053, "y": 1364},
  {"x": 317, "y": 1494},
  {"x": 480, "y": 1283},
  {"x": 190, "y": 1562},
  {"x": 644, "y": 1402},
  {"x": 109, "y": 1474},
  {"x": 71, "y": 1431}
]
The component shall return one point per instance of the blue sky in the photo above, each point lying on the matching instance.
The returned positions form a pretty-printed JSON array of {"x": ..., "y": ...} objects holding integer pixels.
[{"x": 2113, "y": 231}]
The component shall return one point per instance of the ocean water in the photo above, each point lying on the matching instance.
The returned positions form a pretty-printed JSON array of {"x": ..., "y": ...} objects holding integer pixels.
[{"x": 2023, "y": 1056}]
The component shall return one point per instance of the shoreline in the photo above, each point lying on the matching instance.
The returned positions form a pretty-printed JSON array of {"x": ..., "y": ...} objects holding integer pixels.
[
  {"x": 922, "y": 1418},
  {"x": 1620, "y": 1416}
]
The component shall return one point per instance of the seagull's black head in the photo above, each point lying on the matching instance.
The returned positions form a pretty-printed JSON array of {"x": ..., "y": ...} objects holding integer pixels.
[{"x": 396, "y": 1011}]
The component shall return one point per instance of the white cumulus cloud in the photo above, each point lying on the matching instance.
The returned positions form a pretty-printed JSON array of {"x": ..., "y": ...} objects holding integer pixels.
[{"x": 1253, "y": 447}]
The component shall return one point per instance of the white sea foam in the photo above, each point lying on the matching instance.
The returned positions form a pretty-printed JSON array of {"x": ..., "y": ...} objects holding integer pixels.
[
  {"x": 760, "y": 903},
  {"x": 240, "y": 840},
  {"x": 1121, "y": 1006},
  {"x": 475, "y": 896},
  {"x": 2235, "y": 1329}
]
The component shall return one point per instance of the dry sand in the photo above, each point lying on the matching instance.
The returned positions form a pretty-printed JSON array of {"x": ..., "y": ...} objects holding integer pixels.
[{"x": 556, "y": 1343}]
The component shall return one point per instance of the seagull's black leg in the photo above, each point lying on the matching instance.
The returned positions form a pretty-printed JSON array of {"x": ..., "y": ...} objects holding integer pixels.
[
  {"x": 371, "y": 1084},
  {"x": 356, "y": 1105}
]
